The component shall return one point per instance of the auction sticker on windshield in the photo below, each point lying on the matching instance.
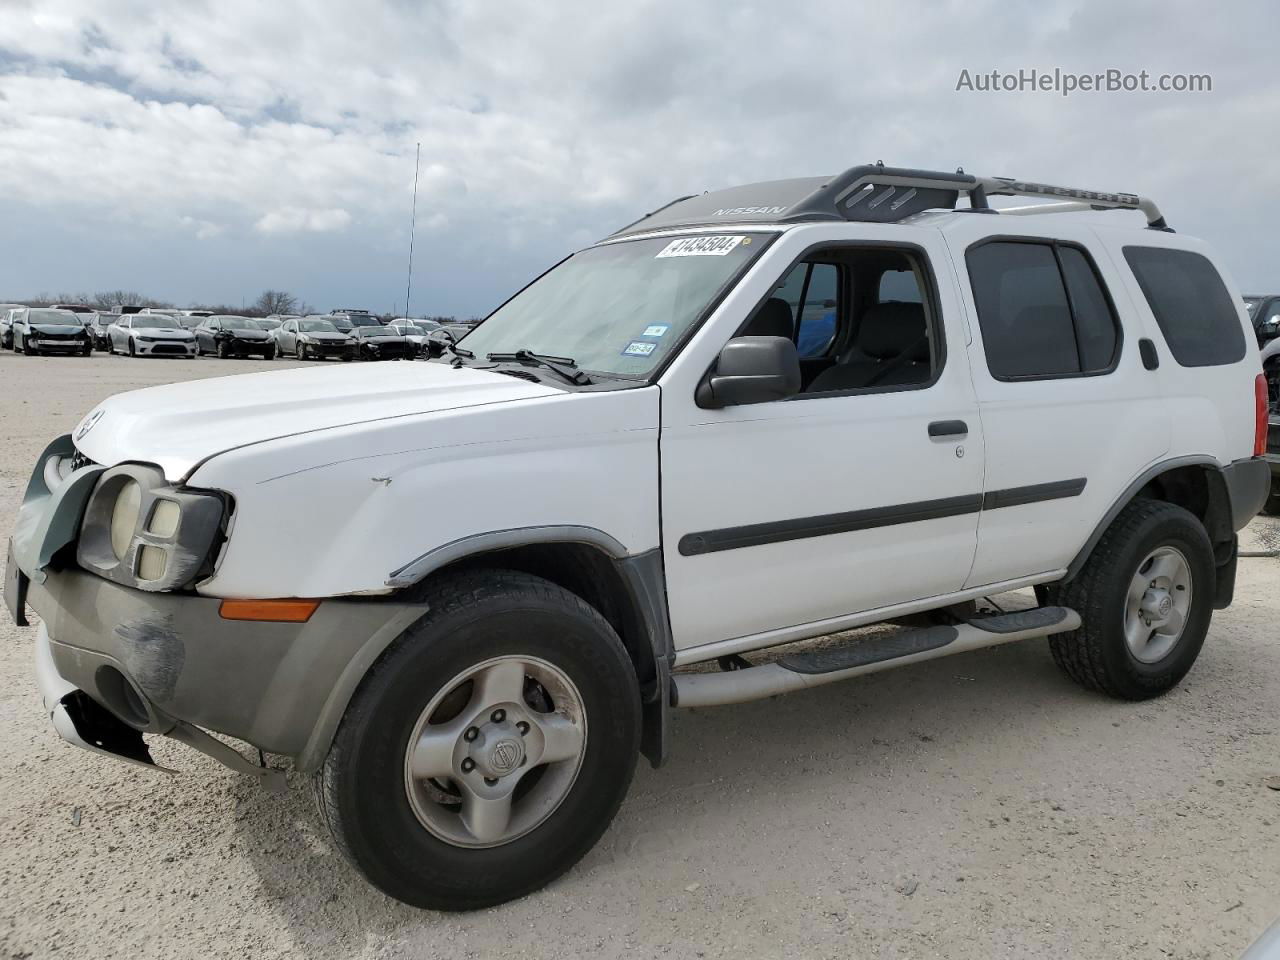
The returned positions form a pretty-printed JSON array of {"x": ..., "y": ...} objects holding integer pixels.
[
  {"x": 699, "y": 247},
  {"x": 639, "y": 348}
]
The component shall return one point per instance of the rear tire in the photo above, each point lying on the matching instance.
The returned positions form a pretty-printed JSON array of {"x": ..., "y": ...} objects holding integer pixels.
[
  {"x": 1125, "y": 646},
  {"x": 397, "y": 826}
]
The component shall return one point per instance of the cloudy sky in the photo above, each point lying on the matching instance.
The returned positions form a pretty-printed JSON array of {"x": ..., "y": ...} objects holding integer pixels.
[{"x": 204, "y": 151}]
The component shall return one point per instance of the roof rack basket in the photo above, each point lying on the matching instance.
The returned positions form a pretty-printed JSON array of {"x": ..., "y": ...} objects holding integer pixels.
[{"x": 886, "y": 194}]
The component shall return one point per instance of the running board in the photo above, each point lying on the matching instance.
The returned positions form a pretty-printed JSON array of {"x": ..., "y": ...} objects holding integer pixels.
[{"x": 799, "y": 671}]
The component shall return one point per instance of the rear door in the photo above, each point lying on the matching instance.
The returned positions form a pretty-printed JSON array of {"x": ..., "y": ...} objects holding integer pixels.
[{"x": 1070, "y": 416}]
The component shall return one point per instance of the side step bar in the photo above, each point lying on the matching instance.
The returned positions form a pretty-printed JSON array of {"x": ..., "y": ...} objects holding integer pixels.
[{"x": 799, "y": 671}]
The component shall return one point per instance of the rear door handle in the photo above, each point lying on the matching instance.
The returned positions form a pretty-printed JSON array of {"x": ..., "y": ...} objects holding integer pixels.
[{"x": 948, "y": 428}]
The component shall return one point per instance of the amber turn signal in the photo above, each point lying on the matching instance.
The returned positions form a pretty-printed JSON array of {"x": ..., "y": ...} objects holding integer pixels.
[{"x": 273, "y": 611}]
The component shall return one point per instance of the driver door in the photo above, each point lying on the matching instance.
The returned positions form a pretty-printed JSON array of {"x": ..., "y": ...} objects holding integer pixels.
[{"x": 781, "y": 518}]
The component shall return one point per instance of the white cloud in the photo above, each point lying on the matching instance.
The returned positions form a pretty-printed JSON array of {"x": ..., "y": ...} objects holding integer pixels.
[
  {"x": 295, "y": 219},
  {"x": 542, "y": 124}
]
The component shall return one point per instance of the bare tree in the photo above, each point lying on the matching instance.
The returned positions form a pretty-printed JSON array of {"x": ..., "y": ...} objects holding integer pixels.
[{"x": 275, "y": 301}]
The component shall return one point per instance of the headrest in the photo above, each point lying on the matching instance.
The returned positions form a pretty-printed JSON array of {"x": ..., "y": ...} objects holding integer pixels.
[
  {"x": 890, "y": 328},
  {"x": 772, "y": 320}
]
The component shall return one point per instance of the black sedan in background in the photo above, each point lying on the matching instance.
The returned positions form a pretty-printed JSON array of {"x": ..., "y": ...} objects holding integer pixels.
[
  {"x": 99, "y": 332},
  {"x": 378, "y": 343},
  {"x": 231, "y": 336}
]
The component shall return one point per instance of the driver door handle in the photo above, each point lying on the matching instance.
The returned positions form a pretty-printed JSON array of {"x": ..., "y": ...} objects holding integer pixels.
[{"x": 948, "y": 428}]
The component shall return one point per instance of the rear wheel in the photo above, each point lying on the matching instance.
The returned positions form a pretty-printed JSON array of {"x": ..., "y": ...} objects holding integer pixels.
[
  {"x": 1145, "y": 597},
  {"x": 488, "y": 749}
]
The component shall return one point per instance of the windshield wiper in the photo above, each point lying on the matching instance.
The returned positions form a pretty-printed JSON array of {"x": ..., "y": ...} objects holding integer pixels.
[{"x": 566, "y": 367}]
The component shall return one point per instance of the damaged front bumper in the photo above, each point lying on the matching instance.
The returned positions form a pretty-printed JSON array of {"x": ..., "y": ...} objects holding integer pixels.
[{"x": 114, "y": 662}]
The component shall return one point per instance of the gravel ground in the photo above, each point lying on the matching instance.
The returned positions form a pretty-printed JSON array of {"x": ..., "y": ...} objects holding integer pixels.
[{"x": 976, "y": 806}]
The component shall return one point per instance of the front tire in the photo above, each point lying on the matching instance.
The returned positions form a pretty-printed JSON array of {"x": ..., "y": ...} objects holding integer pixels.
[
  {"x": 1145, "y": 597},
  {"x": 133, "y": 350},
  {"x": 488, "y": 749}
]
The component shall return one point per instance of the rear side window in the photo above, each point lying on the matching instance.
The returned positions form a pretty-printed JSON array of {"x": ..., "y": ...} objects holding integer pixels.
[
  {"x": 1197, "y": 316},
  {"x": 1042, "y": 310}
]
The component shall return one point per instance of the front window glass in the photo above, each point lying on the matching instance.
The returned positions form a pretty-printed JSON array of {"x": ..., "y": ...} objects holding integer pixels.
[
  {"x": 316, "y": 326},
  {"x": 619, "y": 308},
  {"x": 150, "y": 321}
]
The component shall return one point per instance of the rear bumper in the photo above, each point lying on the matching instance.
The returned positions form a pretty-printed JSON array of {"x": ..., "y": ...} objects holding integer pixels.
[
  {"x": 168, "y": 663},
  {"x": 1248, "y": 485}
]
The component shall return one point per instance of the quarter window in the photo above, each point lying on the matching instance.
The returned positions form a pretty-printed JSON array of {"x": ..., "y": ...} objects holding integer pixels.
[
  {"x": 1042, "y": 310},
  {"x": 1197, "y": 316}
]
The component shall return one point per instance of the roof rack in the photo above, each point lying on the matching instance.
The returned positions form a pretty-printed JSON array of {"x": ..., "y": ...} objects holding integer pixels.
[{"x": 878, "y": 194}]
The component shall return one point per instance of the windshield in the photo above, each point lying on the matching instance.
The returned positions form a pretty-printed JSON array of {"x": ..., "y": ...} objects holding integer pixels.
[
  {"x": 239, "y": 323},
  {"x": 619, "y": 308},
  {"x": 364, "y": 320},
  {"x": 62, "y": 317},
  {"x": 316, "y": 326},
  {"x": 151, "y": 321}
]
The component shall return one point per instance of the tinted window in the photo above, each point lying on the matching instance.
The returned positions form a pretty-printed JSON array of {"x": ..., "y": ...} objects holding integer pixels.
[
  {"x": 1095, "y": 320},
  {"x": 1190, "y": 303},
  {"x": 1022, "y": 310}
]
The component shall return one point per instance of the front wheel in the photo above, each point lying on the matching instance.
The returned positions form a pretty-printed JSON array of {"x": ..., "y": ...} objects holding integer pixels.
[
  {"x": 301, "y": 351},
  {"x": 1145, "y": 597},
  {"x": 488, "y": 749},
  {"x": 269, "y": 353},
  {"x": 133, "y": 350}
]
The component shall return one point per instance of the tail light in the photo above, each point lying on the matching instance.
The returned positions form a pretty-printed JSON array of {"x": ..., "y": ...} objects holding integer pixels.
[{"x": 1260, "y": 415}]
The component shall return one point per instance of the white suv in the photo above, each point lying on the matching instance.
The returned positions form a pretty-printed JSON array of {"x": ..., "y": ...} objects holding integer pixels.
[{"x": 641, "y": 462}]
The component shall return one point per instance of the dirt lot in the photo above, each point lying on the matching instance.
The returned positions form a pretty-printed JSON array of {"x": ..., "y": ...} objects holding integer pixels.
[{"x": 976, "y": 806}]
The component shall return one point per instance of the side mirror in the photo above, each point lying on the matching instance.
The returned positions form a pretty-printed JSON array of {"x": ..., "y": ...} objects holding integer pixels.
[{"x": 751, "y": 370}]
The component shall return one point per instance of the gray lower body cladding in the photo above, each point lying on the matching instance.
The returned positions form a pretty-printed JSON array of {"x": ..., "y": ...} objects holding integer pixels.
[{"x": 282, "y": 687}]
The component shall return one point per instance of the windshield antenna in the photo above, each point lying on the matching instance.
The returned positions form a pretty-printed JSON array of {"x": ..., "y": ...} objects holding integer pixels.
[{"x": 413, "y": 219}]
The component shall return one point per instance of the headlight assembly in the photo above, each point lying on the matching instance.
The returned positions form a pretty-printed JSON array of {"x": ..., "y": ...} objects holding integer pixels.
[{"x": 140, "y": 531}]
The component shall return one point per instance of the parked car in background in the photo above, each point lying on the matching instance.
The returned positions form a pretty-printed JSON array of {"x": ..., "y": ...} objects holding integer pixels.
[
  {"x": 6, "y": 335},
  {"x": 357, "y": 318},
  {"x": 231, "y": 336},
  {"x": 415, "y": 331},
  {"x": 73, "y": 307},
  {"x": 125, "y": 309},
  {"x": 100, "y": 330},
  {"x": 150, "y": 335},
  {"x": 1264, "y": 314},
  {"x": 37, "y": 330},
  {"x": 272, "y": 322},
  {"x": 311, "y": 338},
  {"x": 378, "y": 343}
]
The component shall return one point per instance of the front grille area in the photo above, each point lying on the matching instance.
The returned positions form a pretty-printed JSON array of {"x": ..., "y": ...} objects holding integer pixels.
[
  {"x": 170, "y": 348},
  {"x": 79, "y": 460}
]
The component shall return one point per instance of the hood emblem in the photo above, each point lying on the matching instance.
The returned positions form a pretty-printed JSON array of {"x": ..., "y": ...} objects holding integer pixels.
[{"x": 88, "y": 424}]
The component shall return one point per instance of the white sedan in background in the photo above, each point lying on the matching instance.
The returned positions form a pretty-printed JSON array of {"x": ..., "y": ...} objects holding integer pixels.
[{"x": 150, "y": 335}]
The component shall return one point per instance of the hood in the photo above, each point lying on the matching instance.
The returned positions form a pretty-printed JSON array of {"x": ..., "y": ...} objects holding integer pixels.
[
  {"x": 244, "y": 333},
  {"x": 52, "y": 328},
  {"x": 178, "y": 425}
]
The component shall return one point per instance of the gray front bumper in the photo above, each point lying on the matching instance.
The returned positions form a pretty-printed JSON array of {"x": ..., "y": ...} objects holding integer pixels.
[{"x": 166, "y": 663}]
